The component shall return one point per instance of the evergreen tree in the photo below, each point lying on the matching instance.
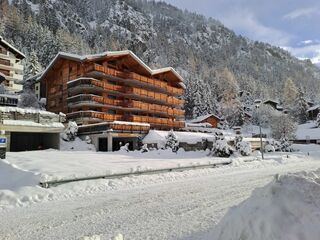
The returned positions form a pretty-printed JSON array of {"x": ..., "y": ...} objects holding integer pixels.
[
  {"x": 300, "y": 107},
  {"x": 33, "y": 67},
  {"x": 290, "y": 93}
]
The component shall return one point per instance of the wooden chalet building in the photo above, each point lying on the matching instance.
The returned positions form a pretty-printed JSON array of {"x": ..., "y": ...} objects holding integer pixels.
[
  {"x": 211, "y": 119},
  {"x": 113, "y": 92},
  {"x": 11, "y": 68}
]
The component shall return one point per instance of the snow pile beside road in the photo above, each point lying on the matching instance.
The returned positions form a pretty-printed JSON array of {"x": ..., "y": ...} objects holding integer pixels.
[
  {"x": 287, "y": 208},
  {"x": 12, "y": 178},
  {"x": 76, "y": 145},
  {"x": 18, "y": 187}
]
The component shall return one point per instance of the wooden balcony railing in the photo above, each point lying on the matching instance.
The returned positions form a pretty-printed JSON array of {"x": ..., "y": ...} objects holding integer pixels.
[
  {"x": 165, "y": 122},
  {"x": 150, "y": 81},
  {"x": 152, "y": 108},
  {"x": 170, "y": 100}
]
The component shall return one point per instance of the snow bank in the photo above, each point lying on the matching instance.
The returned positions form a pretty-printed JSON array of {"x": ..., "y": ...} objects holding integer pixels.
[
  {"x": 287, "y": 208},
  {"x": 76, "y": 145},
  {"x": 159, "y": 137},
  {"x": 12, "y": 178}
]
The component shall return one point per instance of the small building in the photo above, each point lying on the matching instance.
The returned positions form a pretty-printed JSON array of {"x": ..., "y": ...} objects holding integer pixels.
[
  {"x": 11, "y": 68},
  {"x": 31, "y": 129},
  {"x": 274, "y": 104},
  {"x": 313, "y": 112},
  {"x": 212, "y": 119},
  {"x": 189, "y": 141}
]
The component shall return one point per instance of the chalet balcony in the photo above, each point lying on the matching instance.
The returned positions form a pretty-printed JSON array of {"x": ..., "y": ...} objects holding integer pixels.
[
  {"x": 93, "y": 86},
  {"x": 125, "y": 105},
  {"x": 93, "y": 116},
  {"x": 138, "y": 79}
]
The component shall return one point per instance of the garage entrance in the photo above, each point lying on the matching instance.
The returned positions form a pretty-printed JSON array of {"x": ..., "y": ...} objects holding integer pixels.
[
  {"x": 23, "y": 141},
  {"x": 103, "y": 145}
]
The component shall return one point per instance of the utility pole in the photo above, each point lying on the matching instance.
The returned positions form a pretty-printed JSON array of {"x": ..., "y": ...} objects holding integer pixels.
[{"x": 261, "y": 143}]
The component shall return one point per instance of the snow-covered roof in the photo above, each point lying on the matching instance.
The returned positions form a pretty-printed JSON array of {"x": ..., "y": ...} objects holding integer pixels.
[
  {"x": 80, "y": 58},
  {"x": 202, "y": 118},
  {"x": 36, "y": 77},
  {"x": 159, "y": 137},
  {"x": 10, "y": 96},
  {"x": 25, "y": 110},
  {"x": 271, "y": 100},
  {"x": 202, "y": 125},
  {"x": 12, "y": 48},
  {"x": 309, "y": 131},
  {"x": 130, "y": 123},
  {"x": 313, "y": 108}
]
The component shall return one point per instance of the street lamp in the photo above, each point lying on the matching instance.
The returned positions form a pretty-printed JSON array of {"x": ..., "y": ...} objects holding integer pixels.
[{"x": 259, "y": 122}]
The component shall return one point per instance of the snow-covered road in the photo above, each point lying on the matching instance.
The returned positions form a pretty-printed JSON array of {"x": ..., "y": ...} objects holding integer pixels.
[{"x": 166, "y": 206}]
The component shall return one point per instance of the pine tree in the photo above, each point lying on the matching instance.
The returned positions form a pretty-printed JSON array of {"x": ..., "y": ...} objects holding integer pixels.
[
  {"x": 33, "y": 67},
  {"x": 290, "y": 93},
  {"x": 300, "y": 107}
]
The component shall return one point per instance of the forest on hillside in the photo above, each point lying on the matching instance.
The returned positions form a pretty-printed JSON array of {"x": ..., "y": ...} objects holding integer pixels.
[{"x": 216, "y": 63}]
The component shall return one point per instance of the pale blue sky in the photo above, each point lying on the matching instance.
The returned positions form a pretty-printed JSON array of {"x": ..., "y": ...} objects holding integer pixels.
[{"x": 291, "y": 24}]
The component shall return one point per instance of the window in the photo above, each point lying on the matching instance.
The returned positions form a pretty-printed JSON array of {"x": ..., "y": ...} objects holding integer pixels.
[
  {"x": 112, "y": 97},
  {"x": 3, "y": 51},
  {"x": 111, "y": 111},
  {"x": 5, "y": 62},
  {"x": 5, "y": 72},
  {"x": 37, "y": 88}
]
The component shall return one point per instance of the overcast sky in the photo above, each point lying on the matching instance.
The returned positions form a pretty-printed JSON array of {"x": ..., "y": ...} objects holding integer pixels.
[{"x": 291, "y": 24}]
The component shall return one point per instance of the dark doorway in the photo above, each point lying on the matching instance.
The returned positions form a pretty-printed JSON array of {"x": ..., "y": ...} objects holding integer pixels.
[{"x": 103, "y": 144}]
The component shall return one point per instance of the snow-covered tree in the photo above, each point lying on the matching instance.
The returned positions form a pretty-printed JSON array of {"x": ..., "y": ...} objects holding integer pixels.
[
  {"x": 70, "y": 132},
  {"x": 221, "y": 148},
  {"x": 318, "y": 120},
  {"x": 290, "y": 93},
  {"x": 282, "y": 126},
  {"x": 33, "y": 67},
  {"x": 144, "y": 148},
  {"x": 28, "y": 99},
  {"x": 300, "y": 107},
  {"x": 172, "y": 141},
  {"x": 285, "y": 145},
  {"x": 244, "y": 148},
  {"x": 125, "y": 148}
]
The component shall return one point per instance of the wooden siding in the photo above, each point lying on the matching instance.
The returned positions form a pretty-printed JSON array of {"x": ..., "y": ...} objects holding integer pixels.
[
  {"x": 83, "y": 91},
  {"x": 212, "y": 120}
]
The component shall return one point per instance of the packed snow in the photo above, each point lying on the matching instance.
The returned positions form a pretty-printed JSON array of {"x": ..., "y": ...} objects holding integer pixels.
[
  {"x": 287, "y": 208},
  {"x": 174, "y": 205}
]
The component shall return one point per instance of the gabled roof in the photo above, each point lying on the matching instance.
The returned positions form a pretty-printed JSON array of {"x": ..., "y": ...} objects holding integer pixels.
[
  {"x": 93, "y": 57},
  {"x": 202, "y": 118},
  {"x": 12, "y": 48},
  {"x": 271, "y": 100},
  {"x": 313, "y": 108}
]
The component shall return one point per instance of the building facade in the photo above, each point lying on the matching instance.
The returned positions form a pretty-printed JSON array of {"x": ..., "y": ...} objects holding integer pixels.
[
  {"x": 11, "y": 68},
  {"x": 113, "y": 90}
]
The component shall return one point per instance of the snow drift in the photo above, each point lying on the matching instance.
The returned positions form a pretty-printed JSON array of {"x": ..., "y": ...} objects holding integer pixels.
[
  {"x": 287, "y": 208},
  {"x": 12, "y": 177}
]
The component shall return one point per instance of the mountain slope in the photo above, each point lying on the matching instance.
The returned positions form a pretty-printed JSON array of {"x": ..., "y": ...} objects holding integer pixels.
[{"x": 201, "y": 49}]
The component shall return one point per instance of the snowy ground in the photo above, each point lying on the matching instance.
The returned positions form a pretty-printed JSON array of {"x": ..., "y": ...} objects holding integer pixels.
[{"x": 183, "y": 205}]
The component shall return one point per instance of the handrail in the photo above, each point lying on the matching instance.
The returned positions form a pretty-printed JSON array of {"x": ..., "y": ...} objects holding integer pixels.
[
  {"x": 135, "y": 76},
  {"x": 127, "y": 90},
  {"x": 133, "y": 118}
]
